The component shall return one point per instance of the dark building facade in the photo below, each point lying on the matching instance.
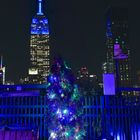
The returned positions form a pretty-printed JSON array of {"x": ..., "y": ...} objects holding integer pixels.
[
  {"x": 88, "y": 83},
  {"x": 117, "y": 43}
]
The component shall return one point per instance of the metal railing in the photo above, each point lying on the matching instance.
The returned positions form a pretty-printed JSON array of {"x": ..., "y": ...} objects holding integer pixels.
[{"x": 110, "y": 117}]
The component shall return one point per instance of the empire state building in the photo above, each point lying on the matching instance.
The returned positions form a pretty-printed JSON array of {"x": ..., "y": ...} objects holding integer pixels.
[{"x": 39, "y": 48}]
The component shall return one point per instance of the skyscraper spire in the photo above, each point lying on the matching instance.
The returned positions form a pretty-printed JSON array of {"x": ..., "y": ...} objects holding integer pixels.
[{"x": 40, "y": 7}]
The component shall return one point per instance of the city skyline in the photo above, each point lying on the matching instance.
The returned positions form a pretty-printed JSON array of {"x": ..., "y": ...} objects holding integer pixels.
[{"x": 74, "y": 28}]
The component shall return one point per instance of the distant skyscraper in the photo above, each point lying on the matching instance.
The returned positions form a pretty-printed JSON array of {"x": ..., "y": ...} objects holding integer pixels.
[
  {"x": 39, "y": 48},
  {"x": 88, "y": 83},
  {"x": 138, "y": 78},
  {"x": 2, "y": 72},
  {"x": 117, "y": 42}
]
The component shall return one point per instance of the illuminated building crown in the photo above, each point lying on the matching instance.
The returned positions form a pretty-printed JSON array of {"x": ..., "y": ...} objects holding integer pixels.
[{"x": 39, "y": 22}]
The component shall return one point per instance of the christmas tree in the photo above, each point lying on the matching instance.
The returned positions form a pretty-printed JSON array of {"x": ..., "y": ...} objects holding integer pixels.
[{"x": 65, "y": 106}]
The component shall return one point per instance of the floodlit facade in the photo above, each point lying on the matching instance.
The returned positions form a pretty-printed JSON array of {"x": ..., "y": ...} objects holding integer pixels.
[{"x": 39, "y": 48}]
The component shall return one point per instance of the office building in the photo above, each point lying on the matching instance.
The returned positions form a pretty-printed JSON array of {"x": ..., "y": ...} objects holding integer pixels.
[
  {"x": 117, "y": 43},
  {"x": 39, "y": 48},
  {"x": 2, "y": 72}
]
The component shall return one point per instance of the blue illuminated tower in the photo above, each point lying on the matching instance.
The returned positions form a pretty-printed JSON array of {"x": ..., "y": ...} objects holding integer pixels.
[{"x": 39, "y": 48}]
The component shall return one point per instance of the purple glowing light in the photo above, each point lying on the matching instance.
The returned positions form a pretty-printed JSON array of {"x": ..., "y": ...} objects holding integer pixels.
[
  {"x": 109, "y": 84},
  {"x": 118, "y": 54}
]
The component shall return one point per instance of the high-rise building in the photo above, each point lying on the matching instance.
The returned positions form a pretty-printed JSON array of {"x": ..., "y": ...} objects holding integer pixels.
[
  {"x": 2, "y": 72},
  {"x": 39, "y": 48},
  {"x": 117, "y": 42},
  {"x": 138, "y": 78}
]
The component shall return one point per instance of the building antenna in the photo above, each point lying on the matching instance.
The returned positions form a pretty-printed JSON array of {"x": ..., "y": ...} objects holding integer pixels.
[{"x": 40, "y": 7}]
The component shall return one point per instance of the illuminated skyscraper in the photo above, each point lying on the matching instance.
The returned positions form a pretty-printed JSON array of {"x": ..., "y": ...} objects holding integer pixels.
[
  {"x": 39, "y": 48},
  {"x": 117, "y": 42},
  {"x": 2, "y": 72}
]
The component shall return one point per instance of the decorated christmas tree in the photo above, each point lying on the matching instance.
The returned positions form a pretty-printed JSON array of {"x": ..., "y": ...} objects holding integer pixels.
[{"x": 65, "y": 109}]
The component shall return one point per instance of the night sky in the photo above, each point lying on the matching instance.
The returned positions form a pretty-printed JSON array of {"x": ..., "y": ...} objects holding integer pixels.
[{"x": 77, "y": 31}]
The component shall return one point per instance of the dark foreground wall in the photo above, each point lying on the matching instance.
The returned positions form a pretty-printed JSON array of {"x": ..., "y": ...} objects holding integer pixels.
[{"x": 110, "y": 117}]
